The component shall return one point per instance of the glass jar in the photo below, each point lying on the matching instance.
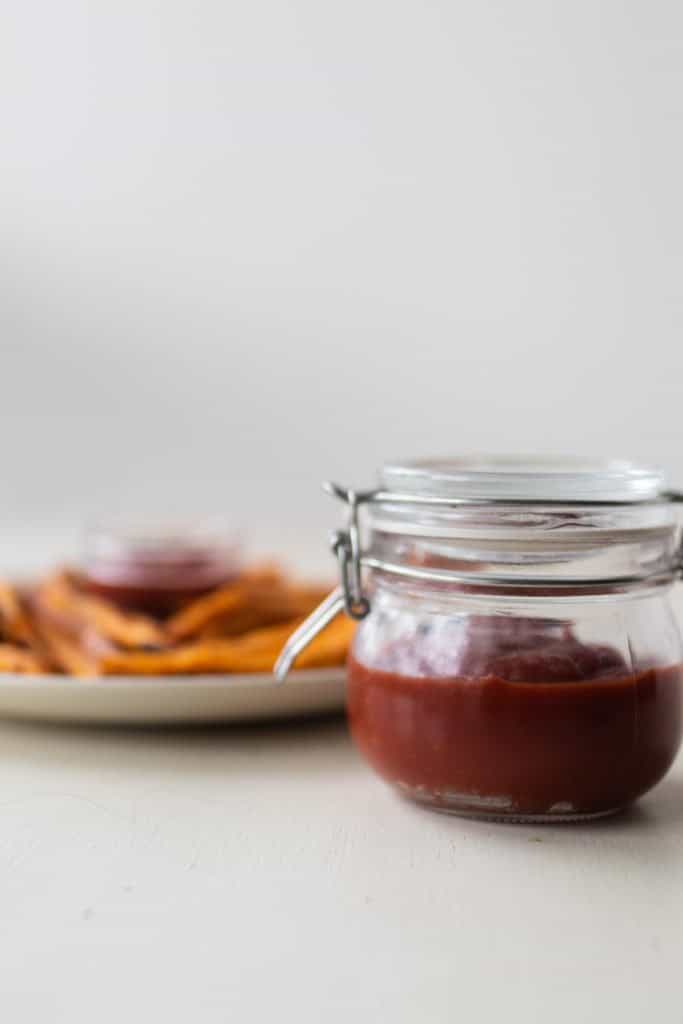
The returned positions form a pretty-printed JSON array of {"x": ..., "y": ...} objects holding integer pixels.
[{"x": 517, "y": 656}]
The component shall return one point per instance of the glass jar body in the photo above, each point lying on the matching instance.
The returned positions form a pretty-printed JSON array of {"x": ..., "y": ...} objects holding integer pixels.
[{"x": 522, "y": 705}]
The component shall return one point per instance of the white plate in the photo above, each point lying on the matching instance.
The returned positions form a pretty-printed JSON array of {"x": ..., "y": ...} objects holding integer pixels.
[{"x": 167, "y": 700}]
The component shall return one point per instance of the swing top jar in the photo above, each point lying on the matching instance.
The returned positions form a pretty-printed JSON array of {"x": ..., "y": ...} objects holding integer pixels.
[{"x": 517, "y": 655}]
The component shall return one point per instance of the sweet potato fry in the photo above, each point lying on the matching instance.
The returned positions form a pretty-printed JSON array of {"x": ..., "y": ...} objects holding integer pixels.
[
  {"x": 15, "y": 624},
  {"x": 239, "y": 628},
  {"x": 231, "y": 605},
  {"x": 257, "y": 651},
  {"x": 64, "y": 652},
  {"x": 75, "y": 612},
  {"x": 266, "y": 609},
  {"x": 19, "y": 659}
]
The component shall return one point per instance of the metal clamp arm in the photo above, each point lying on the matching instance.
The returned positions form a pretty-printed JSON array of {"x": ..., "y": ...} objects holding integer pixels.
[
  {"x": 346, "y": 545},
  {"x": 347, "y": 598},
  {"x": 307, "y": 631}
]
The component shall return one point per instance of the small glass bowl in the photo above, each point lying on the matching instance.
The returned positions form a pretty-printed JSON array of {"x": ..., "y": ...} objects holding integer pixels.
[{"x": 157, "y": 569}]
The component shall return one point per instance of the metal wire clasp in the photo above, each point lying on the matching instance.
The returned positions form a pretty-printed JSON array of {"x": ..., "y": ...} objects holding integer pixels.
[
  {"x": 349, "y": 597},
  {"x": 346, "y": 545}
]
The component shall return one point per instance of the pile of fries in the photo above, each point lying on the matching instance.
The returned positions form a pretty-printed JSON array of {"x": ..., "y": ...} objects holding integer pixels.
[{"x": 58, "y": 626}]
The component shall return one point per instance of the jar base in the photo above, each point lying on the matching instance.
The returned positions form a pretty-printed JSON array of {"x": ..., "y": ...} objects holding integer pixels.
[{"x": 498, "y": 809}]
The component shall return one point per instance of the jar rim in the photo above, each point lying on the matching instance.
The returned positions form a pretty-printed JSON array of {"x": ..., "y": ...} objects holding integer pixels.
[{"x": 525, "y": 478}]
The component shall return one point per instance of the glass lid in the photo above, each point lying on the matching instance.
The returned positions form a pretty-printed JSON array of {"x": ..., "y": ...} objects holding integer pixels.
[{"x": 525, "y": 478}]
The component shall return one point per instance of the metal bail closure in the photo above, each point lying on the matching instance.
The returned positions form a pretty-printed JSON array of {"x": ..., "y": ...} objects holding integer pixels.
[
  {"x": 346, "y": 545},
  {"x": 348, "y": 597},
  {"x": 677, "y": 498}
]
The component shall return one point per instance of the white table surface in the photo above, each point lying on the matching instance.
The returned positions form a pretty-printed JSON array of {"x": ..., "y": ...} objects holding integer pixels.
[
  {"x": 263, "y": 874},
  {"x": 257, "y": 874}
]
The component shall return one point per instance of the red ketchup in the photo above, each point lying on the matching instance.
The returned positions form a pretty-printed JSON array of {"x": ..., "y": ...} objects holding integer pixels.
[
  {"x": 159, "y": 577},
  {"x": 517, "y": 718}
]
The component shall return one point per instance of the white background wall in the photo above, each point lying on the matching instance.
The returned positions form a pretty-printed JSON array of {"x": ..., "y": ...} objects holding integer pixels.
[{"x": 245, "y": 246}]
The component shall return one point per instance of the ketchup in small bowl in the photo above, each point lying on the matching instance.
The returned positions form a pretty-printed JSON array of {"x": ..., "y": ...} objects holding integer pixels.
[{"x": 156, "y": 571}]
